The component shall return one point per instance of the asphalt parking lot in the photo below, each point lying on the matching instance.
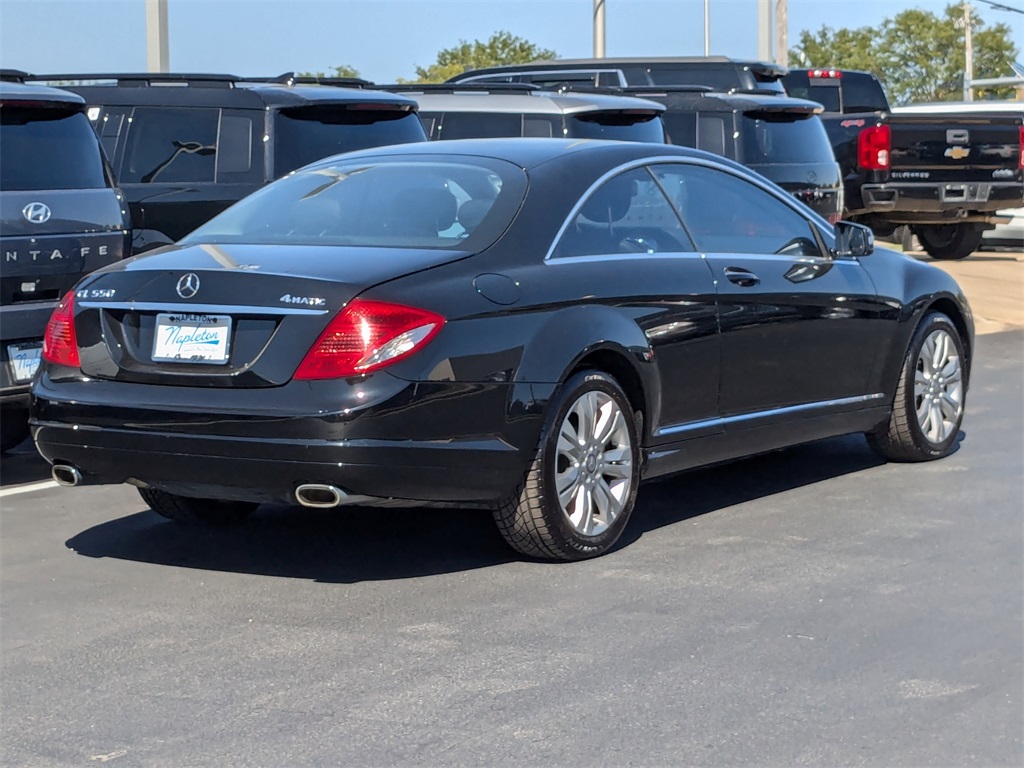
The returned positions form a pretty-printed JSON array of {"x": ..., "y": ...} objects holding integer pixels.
[{"x": 812, "y": 606}]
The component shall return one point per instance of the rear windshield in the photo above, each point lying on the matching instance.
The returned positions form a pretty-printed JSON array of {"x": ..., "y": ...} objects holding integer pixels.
[
  {"x": 455, "y": 203},
  {"x": 769, "y": 140},
  {"x": 718, "y": 77},
  {"x": 622, "y": 126},
  {"x": 48, "y": 148},
  {"x": 303, "y": 135},
  {"x": 851, "y": 92}
]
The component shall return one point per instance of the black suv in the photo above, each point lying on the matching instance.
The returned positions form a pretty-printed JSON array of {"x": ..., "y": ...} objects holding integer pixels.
[
  {"x": 60, "y": 217},
  {"x": 780, "y": 137},
  {"x": 186, "y": 146},
  {"x": 719, "y": 72}
]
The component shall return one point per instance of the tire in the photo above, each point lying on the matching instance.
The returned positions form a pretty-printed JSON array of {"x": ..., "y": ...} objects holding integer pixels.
[
  {"x": 597, "y": 477},
  {"x": 949, "y": 241},
  {"x": 929, "y": 403},
  {"x": 184, "y": 509},
  {"x": 13, "y": 428}
]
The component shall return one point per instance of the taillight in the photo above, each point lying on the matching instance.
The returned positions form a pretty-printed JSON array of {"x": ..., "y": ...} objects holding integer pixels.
[
  {"x": 1020, "y": 162},
  {"x": 873, "y": 148},
  {"x": 60, "y": 345},
  {"x": 367, "y": 336},
  {"x": 824, "y": 73}
]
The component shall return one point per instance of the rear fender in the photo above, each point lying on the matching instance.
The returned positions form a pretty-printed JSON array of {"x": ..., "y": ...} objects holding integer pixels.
[{"x": 565, "y": 341}]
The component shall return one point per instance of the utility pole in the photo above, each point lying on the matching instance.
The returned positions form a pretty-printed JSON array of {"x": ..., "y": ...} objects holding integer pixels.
[
  {"x": 707, "y": 27},
  {"x": 598, "y": 29},
  {"x": 764, "y": 30},
  {"x": 781, "y": 33},
  {"x": 157, "y": 51},
  {"x": 968, "y": 54}
]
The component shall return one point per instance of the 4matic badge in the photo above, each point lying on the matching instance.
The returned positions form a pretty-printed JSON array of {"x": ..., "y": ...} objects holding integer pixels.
[{"x": 309, "y": 301}]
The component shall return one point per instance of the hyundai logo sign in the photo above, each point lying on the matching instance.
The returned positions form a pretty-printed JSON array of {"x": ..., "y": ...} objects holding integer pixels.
[{"x": 37, "y": 213}]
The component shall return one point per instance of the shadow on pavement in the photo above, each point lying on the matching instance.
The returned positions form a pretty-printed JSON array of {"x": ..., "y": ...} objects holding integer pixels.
[
  {"x": 360, "y": 544},
  {"x": 23, "y": 465}
]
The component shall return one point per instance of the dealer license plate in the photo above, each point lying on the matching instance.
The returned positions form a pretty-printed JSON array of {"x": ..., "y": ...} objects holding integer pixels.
[
  {"x": 190, "y": 338},
  {"x": 24, "y": 359}
]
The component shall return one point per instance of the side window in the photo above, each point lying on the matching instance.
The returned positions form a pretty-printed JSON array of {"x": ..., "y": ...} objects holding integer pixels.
[
  {"x": 725, "y": 214},
  {"x": 167, "y": 144},
  {"x": 109, "y": 125},
  {"x": 711, "y": 134},
  {"x": 235, "y": 145},
  {"x": 627, "y": 214}
]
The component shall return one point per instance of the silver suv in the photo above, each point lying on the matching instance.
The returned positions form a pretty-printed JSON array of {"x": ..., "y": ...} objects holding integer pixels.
[{"x": 465, "y": 112}]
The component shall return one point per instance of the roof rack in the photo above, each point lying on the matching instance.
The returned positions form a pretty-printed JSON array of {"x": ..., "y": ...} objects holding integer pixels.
[
  {"x": 635, "y": 90},
  {"x": 142, "y": 79},
  {"x": 290, "y": 78},
  {"x": 13, "y": 75},
  {"x": 459, "y": 87}
]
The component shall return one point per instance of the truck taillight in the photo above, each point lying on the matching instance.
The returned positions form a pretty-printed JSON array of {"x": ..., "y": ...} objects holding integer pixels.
[
  {"x": 1020, "y": 161},
  {"x": 873, "y": 148},
  {"x": 824, "y": 73}
]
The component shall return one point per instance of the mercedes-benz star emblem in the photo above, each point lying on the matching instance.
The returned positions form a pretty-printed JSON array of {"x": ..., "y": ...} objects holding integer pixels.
[
  {"x": 188, "y": 285},
  {"x": 37, "y": 213}
]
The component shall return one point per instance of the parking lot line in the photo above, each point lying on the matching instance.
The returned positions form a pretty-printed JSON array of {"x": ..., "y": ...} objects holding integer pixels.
[{"x": 28, "y": 488}]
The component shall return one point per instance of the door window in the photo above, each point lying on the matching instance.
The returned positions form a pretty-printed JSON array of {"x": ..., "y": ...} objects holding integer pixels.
[
  {"x": 627, "y": 214},
  {"x": 726, "y": 214},
  {"x": 167, "y": 144}
]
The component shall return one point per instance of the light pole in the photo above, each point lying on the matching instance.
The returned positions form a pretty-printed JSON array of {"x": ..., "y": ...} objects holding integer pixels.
[
  {"x": 598, "y": 29},
  {"x": 157, "y": 53},
  {"x": 707, "y": 27}
]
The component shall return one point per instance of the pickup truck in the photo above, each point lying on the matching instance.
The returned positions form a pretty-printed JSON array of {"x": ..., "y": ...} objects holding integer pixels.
[{"x": 943, "y": 174}]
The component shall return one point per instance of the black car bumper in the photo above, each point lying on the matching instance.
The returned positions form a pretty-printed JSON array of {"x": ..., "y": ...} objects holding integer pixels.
[
  {"x": 436, "y": 442},
  {"x": 918, "y": 202}
]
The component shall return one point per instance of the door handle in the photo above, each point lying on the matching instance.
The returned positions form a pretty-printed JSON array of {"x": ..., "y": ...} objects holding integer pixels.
[{"x": 741, "y": 277}]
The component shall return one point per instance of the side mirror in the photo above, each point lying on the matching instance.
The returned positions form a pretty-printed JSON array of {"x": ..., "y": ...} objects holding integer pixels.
[{"x": 853, "y": 240}]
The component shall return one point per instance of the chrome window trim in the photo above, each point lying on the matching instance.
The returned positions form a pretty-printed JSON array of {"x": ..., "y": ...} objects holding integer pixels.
[
  {"x": 205, "y": 309},
  {"x": 756, "y": 415},
  {"x": 649, "y": 162}
]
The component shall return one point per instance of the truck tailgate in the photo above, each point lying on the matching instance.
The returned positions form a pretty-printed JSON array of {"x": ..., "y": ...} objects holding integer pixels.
[{"x": 956, "y": 149}]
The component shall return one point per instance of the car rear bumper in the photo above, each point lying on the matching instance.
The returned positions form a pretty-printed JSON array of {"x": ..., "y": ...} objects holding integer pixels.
[
  {"x": 918, "y": 202},
  {"x": 439, "y": 447}
]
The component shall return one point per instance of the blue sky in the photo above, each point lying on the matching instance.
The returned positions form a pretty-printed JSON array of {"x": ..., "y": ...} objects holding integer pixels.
[{"x": 386, "y": 39}]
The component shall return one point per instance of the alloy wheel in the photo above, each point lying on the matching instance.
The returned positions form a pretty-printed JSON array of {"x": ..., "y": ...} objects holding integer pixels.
[
  {"x": 938, "y": 387},
  {"x": 594, "y": 458}
]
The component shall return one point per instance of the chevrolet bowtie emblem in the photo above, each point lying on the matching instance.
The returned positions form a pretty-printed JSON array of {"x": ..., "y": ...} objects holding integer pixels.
[{"x": 957, "y": 153}]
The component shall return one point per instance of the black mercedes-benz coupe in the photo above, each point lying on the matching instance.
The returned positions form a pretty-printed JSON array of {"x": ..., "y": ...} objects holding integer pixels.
[{"x": 531, "y": 325}]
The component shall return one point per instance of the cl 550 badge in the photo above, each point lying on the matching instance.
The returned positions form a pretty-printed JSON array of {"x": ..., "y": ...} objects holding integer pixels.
[{"x": 309, "y": 301}]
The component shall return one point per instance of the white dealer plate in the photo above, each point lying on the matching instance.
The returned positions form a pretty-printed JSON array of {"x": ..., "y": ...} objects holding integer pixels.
[
  {"x": 24, "y": 359},
  {"x": 188, "y": 338}
]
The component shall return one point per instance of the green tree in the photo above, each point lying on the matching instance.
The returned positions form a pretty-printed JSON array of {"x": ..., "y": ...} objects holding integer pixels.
[
  {"x": 918, "y": 55},
  {"x": 343, "y": 71},
  {"x": 500, "y": 48}
]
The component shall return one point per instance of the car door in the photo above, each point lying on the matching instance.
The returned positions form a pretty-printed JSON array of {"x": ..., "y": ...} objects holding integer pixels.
[
  {"x": 798, "y": 325},
  {"x": 626, "y": 246}
]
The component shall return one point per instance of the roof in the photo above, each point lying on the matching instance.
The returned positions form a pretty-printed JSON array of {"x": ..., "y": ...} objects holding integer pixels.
[
  {"x": 536, "y": 102},
  {"x": 40, "y": 93},
  {"x": 612, "y": 63},
  {"x": 528, "y": 153},
  {"x": 213, "y": 90},
  {"x": 683, "y": 99}
]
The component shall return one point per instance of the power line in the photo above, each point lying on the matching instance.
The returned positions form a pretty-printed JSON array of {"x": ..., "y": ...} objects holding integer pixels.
[{"x": 1001, "y": 7}]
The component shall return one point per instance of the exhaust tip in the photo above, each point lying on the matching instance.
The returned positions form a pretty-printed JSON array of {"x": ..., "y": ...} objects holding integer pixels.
[
  {"x": 319, "y": 496},
  {"x": 65, "y": 474}
]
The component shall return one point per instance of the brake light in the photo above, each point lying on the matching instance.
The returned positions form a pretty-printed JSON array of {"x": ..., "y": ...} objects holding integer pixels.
[
  {"x": 873, "y": 148},
  {"x": 60, "y": 344},
  {"x": 367, "y": 336},
  {"x": 1020, "y": 162},
  {"x": 824, "y": 73}
]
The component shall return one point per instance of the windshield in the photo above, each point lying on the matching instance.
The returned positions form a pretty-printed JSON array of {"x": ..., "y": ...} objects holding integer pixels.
[
  {"x": 48, "y": 148},
  {"x": 621, "y": 126},
  {"x": 768, "y": 140},
  {"x": 304, "y": 135},
  {"x": 451, "y": 203}
]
